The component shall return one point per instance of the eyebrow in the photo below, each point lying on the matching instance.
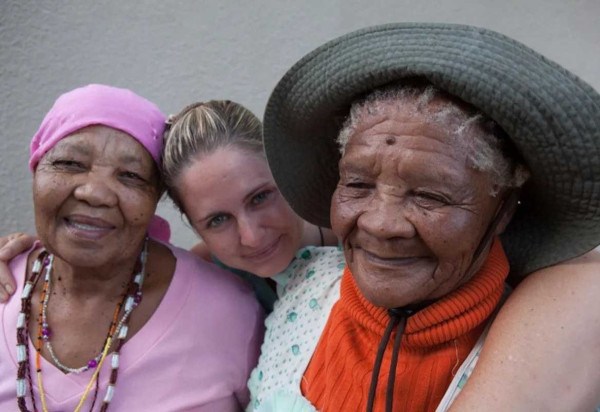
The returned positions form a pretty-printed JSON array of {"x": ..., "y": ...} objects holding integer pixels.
[
  {"x": 256, "y": 190},
  {"x": 84, "y": 149},
  {"x": 350, "y": 167},
  {"x": 128, "y": 158},
  {"x": 72, "y": 147}
]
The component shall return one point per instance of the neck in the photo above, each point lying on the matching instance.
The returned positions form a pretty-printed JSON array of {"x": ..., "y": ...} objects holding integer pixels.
[
  {"x": 105, "y": 281},
  {"x": 312, "y": 237}
]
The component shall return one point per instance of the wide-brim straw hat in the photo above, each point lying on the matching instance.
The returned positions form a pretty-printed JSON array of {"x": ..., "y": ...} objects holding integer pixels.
[{"x": 551, "y": 115}]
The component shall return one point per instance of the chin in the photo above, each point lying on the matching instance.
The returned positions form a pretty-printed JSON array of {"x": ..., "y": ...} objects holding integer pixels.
[
  {"x": 383, "y": 297},
  {"x": 390, "y": 302}
]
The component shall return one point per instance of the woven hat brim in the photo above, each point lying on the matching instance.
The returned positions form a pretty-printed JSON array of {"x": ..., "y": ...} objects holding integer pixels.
[{"x": 550, "y": 114}]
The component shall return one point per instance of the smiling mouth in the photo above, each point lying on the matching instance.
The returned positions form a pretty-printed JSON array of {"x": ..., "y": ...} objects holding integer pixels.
[
  {"x": 83, "y": 226},
  {"x": 88, "y": 226},
  {"x": 265, "y": 252},
  {"x": 391, "y": 260}
]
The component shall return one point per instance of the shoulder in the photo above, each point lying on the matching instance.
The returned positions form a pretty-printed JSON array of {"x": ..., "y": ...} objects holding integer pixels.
[
  {"x": 542, "y": 351},
  {"x": 581, "y": 270},
  {"x": 317, "y": 263},
  {"x": 220, "y": 306},
  {"x": 214, "y": 287},
  {"x": 208, "y": 275},
  {"x": 19, "y": 261},
  {"x": 19, "y": 265},
  {"x": 565, "y": 294},
  {"x": 308, "y": 290}
]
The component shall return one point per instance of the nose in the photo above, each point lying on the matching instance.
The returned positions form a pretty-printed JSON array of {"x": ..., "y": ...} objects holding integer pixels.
[
  {"x": 96, "y": 190},
  {"x": 250, "y": 231},
  {"x": 387, "y": 217}
]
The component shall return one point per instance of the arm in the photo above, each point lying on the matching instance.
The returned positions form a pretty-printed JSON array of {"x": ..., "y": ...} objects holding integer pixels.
[
  {"x": 543, "y": 349},
  {"x": 11, "y": 246}
]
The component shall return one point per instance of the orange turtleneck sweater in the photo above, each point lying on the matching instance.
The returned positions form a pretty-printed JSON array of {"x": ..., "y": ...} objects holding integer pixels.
[{"x": 436, "y": 341}]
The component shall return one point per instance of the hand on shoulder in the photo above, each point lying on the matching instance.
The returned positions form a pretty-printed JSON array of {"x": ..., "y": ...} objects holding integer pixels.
[{"x": 11, "y": 246}]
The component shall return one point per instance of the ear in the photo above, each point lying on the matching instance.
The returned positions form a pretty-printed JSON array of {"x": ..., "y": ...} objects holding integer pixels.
[{"x": 507, "y": 210}]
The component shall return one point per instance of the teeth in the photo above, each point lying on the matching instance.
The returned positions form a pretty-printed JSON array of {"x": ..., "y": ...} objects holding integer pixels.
[{"x": 83, "y": 226}]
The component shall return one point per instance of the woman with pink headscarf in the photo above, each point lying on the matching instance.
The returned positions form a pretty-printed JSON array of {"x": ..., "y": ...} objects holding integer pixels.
[{"x": 108, "y": 314}]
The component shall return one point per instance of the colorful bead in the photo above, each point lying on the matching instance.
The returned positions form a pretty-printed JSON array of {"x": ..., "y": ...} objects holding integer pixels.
[
  {"x": 26, "y": 291},
  {"x": 21, "y": 320},
  {"x": 118, "y": 327},
  {"x": 21, "y": 353},
  {"x": 24, "y": 370},
  {"x": 21, "y": 387}
]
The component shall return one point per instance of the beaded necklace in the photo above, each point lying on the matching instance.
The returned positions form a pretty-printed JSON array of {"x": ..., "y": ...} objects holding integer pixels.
[
  {"x": 45, "y": 332},
  {"x": 131, "y": 299}
]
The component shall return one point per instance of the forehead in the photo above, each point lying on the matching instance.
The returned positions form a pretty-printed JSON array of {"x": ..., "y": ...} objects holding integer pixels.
[
  {"x": 232, "y": 161},
  {"x": 95, "y": 140},
  {"x": 399, "y": 127},
  {"x": 229, "y": 174}
]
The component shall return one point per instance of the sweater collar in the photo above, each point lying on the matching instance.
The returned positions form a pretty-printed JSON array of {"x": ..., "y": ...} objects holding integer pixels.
[{"x": 444, "y": 320}]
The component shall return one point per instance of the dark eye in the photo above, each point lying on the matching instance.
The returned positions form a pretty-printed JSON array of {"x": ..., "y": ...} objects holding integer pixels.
[
  {"x": 354, "y": 188},
  {"x": 260, "y": 197},
  {"x": 132, "y": 176},
  {"x": 430, "y": 199},
  {"x": 66, "y": 164},
  {"x": 359, "y": 185},
  {"x": 217, "y": 221}
]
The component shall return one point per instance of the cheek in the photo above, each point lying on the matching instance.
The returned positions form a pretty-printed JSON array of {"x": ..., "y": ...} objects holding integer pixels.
[
  {"x": 440, "y": 235},
  {"x": 219, "y": 245},
  {"x": 47, "y": 192},
  {"x": 282, "y": 218},
  {"x": 139, "y": 209},
  {"x": 344, "y": 214},
  {"x": 294, "y": 222}
]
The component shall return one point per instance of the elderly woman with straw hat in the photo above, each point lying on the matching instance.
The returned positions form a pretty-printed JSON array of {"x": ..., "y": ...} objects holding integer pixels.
[{"x": 449, "y": 160}]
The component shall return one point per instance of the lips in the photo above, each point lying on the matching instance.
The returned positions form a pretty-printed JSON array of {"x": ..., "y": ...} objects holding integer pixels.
[
  {"x": 88, "y": 227},
  {"x": 391, "y": 258}
]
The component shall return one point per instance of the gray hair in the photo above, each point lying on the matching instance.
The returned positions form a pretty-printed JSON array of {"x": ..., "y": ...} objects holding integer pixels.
[
  {"x": 201, "y": 129},
  {"x": 483, "y": 141}
]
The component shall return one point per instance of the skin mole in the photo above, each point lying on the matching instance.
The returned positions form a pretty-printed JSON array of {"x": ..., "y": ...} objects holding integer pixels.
[{"x": 390, "y": 140}]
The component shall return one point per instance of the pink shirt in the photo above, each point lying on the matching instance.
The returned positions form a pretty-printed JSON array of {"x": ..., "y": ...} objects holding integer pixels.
[{"x": 194, "y": 354}]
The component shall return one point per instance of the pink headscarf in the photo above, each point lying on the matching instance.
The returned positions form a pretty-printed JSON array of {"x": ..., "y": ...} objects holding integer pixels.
[{"x": 97, "y": 104}]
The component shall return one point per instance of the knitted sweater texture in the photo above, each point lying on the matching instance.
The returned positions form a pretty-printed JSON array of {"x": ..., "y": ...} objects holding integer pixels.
[{"x": 435, "y": 343}]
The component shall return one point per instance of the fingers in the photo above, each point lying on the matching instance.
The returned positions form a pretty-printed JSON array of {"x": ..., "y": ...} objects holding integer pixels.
[
  {"x": 14, "y": 244},
  {"x": 11, "y": 246},
  {"x": 6, "y": 290}
]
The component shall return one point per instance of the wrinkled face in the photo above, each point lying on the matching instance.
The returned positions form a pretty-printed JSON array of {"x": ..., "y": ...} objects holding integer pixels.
[
  {"x": 94, "y": 194},
  {"x": 232, "y": 201},
  {"x": 408, "y": 209}
]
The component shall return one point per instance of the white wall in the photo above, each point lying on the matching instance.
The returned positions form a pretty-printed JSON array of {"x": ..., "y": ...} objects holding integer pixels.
[{"x": 177, "y": 52}]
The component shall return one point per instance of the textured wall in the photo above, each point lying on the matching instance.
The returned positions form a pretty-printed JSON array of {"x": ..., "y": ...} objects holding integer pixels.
[{"x": 177, "y": 52}]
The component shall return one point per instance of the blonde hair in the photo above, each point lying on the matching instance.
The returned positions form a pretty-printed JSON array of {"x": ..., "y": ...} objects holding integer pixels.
[{"x": 202, "y": 128}]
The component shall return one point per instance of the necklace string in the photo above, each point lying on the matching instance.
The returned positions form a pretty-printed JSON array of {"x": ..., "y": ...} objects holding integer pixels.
[
  {"x": 129, "y": 302},
  {"x": 45, "y": 332},
  {"x": 23, "y": 370}
]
